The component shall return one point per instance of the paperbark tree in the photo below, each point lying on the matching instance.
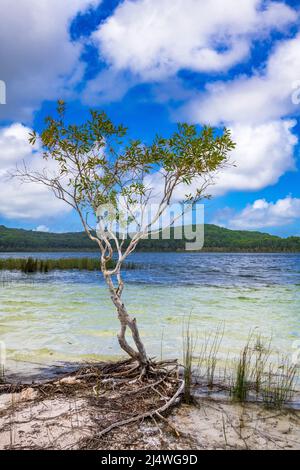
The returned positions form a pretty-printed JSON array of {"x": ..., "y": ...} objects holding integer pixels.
[{"x": 93, "y": 165}]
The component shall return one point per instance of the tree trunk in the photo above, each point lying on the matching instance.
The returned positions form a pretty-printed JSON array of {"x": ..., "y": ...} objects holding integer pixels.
[{"x": 127, "y": 321}]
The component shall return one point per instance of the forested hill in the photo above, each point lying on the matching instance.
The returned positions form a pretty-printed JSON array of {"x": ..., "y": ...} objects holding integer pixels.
[{"x": 216, "y": 239}]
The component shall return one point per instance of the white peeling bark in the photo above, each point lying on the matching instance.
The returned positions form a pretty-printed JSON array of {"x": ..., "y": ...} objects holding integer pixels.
[{"x": 126, "y": 321}]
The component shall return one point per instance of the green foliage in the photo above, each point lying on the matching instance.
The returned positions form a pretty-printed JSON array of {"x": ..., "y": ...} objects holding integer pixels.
[
  {"x": 98, "y": 162},
  {"x": 216, "y": 239},
  {"x": 188, "y": 153},
  {"x": 221, "y": 239}
]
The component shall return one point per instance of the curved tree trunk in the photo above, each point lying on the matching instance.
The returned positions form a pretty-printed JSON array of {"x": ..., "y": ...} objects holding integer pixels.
[{"x": 127, "y": 321}]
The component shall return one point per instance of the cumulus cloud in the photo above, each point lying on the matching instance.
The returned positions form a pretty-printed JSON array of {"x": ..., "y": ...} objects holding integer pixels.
[
  {"x": 26, "y": 201},
  {"x": 256, "y": 109},
  {"x": 266, "y": 95},
  {"x": 38, "y": 60},
  {"x": 262, "y": 155},
  {"x": 147, "y": 40},
  {"x": 262, "y": 214},
  {"x": 154, "y": 40}
]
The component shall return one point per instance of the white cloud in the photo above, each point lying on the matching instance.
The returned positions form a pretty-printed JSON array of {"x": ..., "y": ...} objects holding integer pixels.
[
  {"x": 150, "y": 40},
  {"x": 262, "y": 214},
  {"x": 110, "y": 85},
  {"x": 256, "y": 109},
  {"x": 264, "y": 96},
  {"x": 262, "y": 155},
  {"x": 38, "y": 60},
  {"x": 42, "y": 228},
  {"x": 23, "y": 201},
  {"x": 156, "y": 39}
]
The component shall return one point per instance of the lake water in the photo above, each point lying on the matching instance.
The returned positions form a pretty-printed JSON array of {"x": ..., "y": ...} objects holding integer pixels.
[{"x": 66, "y": 316}]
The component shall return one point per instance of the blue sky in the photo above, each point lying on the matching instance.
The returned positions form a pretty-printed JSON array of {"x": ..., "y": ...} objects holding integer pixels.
[{"x": 150, "y": 64}]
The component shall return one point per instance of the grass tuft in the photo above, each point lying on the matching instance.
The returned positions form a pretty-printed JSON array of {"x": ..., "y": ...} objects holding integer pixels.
[
  {"x": 208, "y": 356},
  {"x": 241, "y": 380},
  {"x": 189, "y": 344},
  {"x": 280, "y": 384}
]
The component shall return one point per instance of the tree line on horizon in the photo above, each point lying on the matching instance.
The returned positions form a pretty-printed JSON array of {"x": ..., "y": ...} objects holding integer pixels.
[{"x": 216, "y": 239}]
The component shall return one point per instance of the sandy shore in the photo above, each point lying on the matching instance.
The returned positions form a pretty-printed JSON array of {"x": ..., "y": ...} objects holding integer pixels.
[{"x": 71, "y": 421}]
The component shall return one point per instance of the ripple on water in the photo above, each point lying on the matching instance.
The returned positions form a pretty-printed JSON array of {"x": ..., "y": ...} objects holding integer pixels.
[{"x": 70, "y": 316}]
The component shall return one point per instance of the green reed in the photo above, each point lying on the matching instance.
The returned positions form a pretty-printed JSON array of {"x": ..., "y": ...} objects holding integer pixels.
[
  {"x": 189, "y": 343},
  {"x": 241, "y": 378},
  {"x": 34, "y": 265},
  {"x": 208, "y": 355},
  {"x": 279, "y": 386},
  {"x": 254, "y": 373}
]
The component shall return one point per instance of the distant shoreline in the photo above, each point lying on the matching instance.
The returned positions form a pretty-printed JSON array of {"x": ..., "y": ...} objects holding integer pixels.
[
  {"x": 205, "y": 250},
  {"x": 216, "y": 240}
]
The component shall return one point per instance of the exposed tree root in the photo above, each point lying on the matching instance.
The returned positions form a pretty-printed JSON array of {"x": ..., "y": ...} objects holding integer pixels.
[
  {"x": 118, "y": 372},
  {"x": 147, "y": 414},
  {"x": 116, "y": 393}
]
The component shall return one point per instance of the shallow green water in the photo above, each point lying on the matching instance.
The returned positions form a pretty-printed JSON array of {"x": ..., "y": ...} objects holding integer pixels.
[{"x": 70, "y": 317}]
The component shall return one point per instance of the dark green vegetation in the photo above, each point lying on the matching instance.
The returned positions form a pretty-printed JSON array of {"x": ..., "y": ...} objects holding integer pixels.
[
  {"x": 216, "y": 239},
  {"x": 32, "y": 265},
  {"x": 27, "y": 240}
]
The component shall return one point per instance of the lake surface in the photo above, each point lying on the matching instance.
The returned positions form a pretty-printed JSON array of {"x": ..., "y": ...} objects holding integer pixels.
[{"x": 66, "y": 316}]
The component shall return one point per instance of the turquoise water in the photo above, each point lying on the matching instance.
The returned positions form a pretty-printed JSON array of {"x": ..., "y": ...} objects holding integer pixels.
[{"x": 68, "y": 316}]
